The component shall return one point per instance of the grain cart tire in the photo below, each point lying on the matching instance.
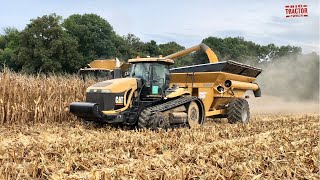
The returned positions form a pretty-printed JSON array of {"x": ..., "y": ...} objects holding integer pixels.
[
  {"x": 238, "y": 111},
  {"x": 193, "y": 115}
]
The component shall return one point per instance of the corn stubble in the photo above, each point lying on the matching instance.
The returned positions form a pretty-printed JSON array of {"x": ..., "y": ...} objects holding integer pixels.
[{"x": 38, "y": 139}]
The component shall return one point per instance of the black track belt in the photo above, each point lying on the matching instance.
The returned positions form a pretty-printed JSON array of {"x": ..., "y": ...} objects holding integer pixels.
[
  {"x": 171, "y": 104},
  {"x": 147, "y": 113}
]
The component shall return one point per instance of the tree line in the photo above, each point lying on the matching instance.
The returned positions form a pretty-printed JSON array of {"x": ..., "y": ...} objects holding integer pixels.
[{"x": 52, "y": 44}]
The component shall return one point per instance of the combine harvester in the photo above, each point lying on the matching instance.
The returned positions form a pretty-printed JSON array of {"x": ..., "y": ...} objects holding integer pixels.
[
  {"x": 104, "y": 69},
  {"x": 154, "y": 96}
]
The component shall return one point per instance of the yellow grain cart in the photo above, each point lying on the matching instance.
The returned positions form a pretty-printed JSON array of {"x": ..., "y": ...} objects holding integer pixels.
[{"x": 155, "y": 96}]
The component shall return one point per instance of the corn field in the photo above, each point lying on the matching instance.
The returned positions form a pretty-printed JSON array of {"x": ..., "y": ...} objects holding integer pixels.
[
  {"x": 26, "y": 99},
  {"x": 40, "y": 140}
]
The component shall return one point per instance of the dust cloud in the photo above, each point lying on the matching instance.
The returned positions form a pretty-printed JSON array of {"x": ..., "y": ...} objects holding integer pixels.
[
  {"x": 277, "y": 105},
  {"x": 289, "y": 85}
]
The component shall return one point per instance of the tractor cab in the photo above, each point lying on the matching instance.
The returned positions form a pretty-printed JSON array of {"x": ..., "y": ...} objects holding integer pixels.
[{"x": 154, "y": 74}]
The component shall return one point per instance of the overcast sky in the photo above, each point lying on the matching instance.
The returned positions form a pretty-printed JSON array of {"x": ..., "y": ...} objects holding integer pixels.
[{"x": 184, "y": 21}]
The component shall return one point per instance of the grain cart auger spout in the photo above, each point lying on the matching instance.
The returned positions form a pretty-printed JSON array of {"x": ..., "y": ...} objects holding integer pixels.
[
  {"x": 211, "y": 55},
  {"x": 154, "y": 96}
]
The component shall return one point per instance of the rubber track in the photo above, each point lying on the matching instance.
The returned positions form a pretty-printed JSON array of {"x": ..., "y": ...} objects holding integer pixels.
[{"x": 145, "y": 118}]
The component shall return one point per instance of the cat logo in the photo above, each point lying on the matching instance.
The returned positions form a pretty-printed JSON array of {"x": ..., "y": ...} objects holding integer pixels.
[{"x": 119, "y": 100}]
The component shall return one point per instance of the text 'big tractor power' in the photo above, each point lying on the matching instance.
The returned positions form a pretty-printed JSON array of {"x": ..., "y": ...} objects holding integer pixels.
[{"x": 155, "y": 96}]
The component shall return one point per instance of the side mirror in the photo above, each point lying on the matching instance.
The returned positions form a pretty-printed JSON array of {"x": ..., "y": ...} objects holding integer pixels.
[{"x": 126, "y": 74}]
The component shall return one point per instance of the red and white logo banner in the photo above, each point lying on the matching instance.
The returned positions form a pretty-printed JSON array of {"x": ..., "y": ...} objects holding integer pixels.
[{"x": 296, "y": 10}]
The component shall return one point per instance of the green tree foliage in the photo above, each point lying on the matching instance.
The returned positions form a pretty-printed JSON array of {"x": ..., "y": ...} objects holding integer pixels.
[
  {"x": 152, "y": 48},
  {"x": 170, "y": 48},
  {"x": 288, "y": 50},
  {"x": 10, "y": 39},
  {"x": 131, "y": 47},
  {"x": 267, "y": 53},
  {"x": 229, "y": 48},
  {"x": 240, "y": 50},
  {"x": 8, "y": 47},
  {"x": 173, "y": 47},
  {"x": 94, "y": 34},
  {"x": 45, "y": 47}
]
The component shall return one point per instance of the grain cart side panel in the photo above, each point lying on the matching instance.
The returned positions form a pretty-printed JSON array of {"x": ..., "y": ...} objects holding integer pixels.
[{"x": 216, "y": 84}]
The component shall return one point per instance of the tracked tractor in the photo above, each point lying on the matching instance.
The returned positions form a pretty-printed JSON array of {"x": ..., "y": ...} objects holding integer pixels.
[{"x": 155, "y": 96}]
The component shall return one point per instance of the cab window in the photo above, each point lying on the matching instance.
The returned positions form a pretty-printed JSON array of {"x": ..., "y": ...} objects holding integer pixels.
[
  {"x": 140, "y": 70},
  {"x": 159, "y": 74}
]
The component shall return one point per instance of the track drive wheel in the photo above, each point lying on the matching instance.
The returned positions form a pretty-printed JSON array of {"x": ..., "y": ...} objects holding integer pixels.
[
  {"x": 162, "y": 120},
  {"x": 147, "y": 120},
  {"x": 193, "y": 115},
  {"x": 238, "y": 111},
  {"x": 154, "y": 121},
  {"x": 144, "y": 120}
]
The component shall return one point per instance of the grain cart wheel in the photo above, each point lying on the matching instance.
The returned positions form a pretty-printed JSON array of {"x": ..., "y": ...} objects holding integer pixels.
[
  {"x": 193, "y": 115},
  {"x": 238, "y": 111}
]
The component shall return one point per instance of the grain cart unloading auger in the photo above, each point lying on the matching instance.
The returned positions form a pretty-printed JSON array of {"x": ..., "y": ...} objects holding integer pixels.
[{"x": 156, "y": 96}]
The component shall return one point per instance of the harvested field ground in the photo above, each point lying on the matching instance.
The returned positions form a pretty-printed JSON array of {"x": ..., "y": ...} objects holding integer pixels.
[
  {"x": 271, "y": 146},
  {"x": 38, "y": 139}
]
